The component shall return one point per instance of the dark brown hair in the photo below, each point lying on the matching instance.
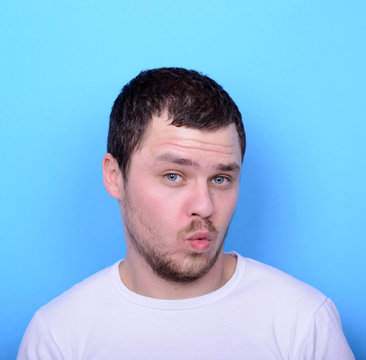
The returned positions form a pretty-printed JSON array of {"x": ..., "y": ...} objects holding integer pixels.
[{"x": 190, "y": 99}]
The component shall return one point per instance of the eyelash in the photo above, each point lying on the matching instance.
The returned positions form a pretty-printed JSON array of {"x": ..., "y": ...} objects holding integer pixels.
[
  {"x": 172, "y": 174},
  {"x": 225, "y": 179}
]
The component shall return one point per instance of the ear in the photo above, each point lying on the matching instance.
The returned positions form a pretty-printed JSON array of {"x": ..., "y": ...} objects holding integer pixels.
[{"x": 112, "y": 176}]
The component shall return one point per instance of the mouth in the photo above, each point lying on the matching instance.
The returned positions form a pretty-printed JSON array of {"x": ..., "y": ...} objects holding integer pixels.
[{"x": 200, "y": 241}]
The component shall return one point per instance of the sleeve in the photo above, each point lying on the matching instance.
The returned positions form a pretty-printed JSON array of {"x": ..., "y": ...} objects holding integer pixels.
[
  {"x": 325, "y": 339},
  {"x": 38, "y": 342}
]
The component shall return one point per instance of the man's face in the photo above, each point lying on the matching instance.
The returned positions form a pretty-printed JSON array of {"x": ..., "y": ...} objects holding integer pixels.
[{"x": 180, "y": 195}]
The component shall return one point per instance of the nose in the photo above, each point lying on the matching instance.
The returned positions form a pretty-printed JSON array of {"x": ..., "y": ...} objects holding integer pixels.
[{"x": 200, "y": 201}]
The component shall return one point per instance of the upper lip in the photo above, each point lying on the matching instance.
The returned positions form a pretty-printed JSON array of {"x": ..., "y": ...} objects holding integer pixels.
[{"x": 200, "y": 235}]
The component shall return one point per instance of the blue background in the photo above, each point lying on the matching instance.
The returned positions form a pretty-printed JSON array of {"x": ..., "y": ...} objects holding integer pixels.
[{"x": 296, "y": 70}]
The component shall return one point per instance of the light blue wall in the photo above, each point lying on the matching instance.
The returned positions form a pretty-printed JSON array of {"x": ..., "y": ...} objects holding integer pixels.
[{"x": 295, "y": 68}]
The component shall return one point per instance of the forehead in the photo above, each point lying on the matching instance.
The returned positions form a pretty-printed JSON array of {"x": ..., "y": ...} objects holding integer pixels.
[{"x": 161, "y": 137}]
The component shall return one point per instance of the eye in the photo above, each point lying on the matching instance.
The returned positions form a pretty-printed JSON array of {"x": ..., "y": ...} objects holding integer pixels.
[
  {"x": 173, "y": 177},
  {"x": 219, "y": 180}
]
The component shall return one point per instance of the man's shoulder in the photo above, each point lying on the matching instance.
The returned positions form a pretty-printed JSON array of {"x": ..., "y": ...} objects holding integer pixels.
[
  {"x": 277, "y": 287},
  {"x": 69, "y": 319},
  {"x": 82, "y": 296}
]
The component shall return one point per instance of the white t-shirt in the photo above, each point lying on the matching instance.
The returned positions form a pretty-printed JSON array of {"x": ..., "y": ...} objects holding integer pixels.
[{"x": 260, "y": 313}]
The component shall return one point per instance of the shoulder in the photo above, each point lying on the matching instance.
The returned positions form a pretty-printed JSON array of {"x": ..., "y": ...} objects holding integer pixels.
[
  {"x": 295, "y": 312},
  {"x": 69, "y": 316},
  {"x": 82, "y": 297},
  {"x": 276, "y": 290},
  {"x": 262, "y": 276}
]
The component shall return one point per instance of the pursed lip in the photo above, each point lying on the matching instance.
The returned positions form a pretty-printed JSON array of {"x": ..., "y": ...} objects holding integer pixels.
[{"x": 201, "y": 235}]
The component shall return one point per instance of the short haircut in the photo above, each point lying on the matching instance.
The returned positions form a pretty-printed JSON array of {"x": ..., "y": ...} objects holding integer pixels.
[{"x": 190, "y": 98}]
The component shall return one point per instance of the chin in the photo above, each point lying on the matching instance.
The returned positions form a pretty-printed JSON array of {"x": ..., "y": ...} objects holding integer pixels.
[{"x": 193, "y": 267}]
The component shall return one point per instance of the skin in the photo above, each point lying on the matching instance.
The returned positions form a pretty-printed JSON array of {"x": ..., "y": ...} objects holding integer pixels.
[{"x": 182, "y": 183}]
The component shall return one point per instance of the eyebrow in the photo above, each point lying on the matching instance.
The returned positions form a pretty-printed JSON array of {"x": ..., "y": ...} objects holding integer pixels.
[
  {"x": 177, "y": 160},
  {"x": 228, "y": 167},
  {"x": 188, "y": 162}
]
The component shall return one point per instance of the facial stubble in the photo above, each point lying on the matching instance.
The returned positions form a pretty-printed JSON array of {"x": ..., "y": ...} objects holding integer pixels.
[{"x": 146, "y": 242}]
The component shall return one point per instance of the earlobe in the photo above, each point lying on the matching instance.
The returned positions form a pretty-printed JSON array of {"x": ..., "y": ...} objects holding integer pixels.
[{"x": 112, "y": 176}]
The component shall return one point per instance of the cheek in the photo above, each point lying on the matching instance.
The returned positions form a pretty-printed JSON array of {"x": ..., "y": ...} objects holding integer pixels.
[
  {"x": 225, "y": 205},
  {"x": 166, "y": 200},
  {"x": 157, "y": 209}
]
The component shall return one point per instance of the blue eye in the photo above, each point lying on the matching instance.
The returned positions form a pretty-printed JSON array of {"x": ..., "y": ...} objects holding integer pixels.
[
  {"x": 219, "y": 180},
  {"x": 172, "y": 177}
]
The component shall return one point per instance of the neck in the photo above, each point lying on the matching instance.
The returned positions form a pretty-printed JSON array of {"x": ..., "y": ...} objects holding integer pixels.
[{"x": 139, "y": 278}]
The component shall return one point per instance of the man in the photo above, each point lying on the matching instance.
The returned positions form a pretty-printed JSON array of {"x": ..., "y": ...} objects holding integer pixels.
[{"x": 175, "y": 148}]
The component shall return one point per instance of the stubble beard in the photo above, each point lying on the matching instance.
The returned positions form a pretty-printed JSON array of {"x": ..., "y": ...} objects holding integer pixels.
[{"x": 159, "y": 259}]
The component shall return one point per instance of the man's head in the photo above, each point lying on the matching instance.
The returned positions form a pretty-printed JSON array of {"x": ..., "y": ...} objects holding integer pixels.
[
  {"x": 189, "y": 98},
  {"x": 175, "y": 147}
]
